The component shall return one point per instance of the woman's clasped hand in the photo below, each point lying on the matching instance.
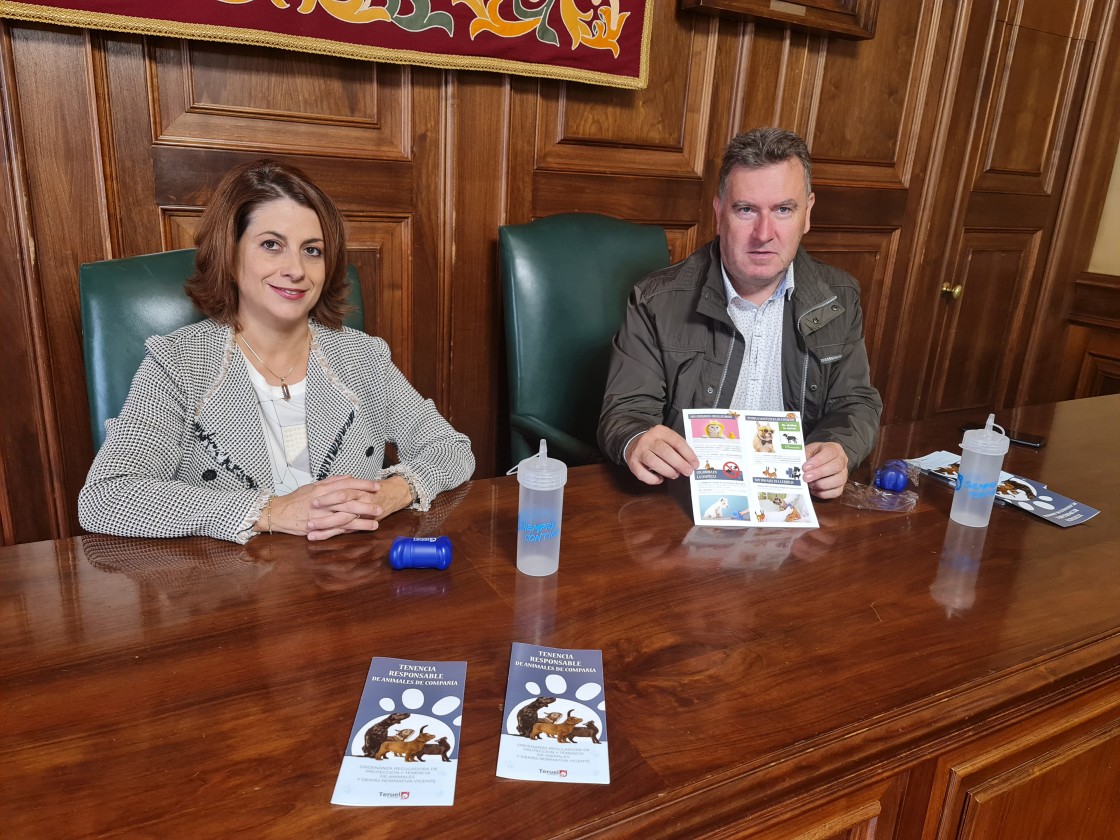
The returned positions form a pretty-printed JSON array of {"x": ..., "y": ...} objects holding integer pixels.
[{"x": 336, "y": 505}]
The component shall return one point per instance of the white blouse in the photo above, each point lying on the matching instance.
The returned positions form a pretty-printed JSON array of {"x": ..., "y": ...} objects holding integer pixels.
[{"x": 285, "y": 429}]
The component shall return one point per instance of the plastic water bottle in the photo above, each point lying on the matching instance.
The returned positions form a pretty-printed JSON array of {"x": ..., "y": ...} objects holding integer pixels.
[
  {"x": 981, "y": 462},
  {"x": 539, "y": 510}
]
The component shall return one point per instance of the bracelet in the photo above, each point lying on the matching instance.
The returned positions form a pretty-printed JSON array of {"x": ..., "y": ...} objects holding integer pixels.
[
  {"x": 268, "y": 509},
  {"x": 413, "y": 490}
]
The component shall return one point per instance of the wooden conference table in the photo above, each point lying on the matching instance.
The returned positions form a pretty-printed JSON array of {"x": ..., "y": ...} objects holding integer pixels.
[{"x": 849, "y": 681}]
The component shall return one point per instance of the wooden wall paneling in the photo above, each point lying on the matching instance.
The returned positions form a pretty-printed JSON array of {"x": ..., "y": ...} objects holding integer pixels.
[
  {"x": 842, "y": 18},
  {"x": 1096, "y": 300},
  {"x": 637, "y": 155},
  {"x": 1092, "y": 361},
  {"x": 660, "y": 130},
  {"x": 67, "y": 213},
  {"x": 864, "y": 129},
  {"x": 866, "y": 255},
  {"x": 980, "y": 354},
  {"x": 429, "y": 260},
  {"x": 27, "y": 500},
  {"x": 1076, "y": 227},
  {"x": 278, "y": 102},
  {"x": 476, "y": 187},
  {"x": 135, "y": 223},
  {"x": 777, "y": 79}
]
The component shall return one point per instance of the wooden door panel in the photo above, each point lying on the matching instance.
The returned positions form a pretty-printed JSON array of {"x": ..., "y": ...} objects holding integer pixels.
[
  {"x": 290, "y": 103},
  {"x": 867, "y": 812},
  {"x": 979, "y": 352},
  {"x": 1033, "y": 100},
  {"x": 1008, "y": 127},
  {"x": 1018, "y": 804},
  {"x": 864, "y": 131},
  {"x": 1046, "y": 783},
  {"x": 661, "y": 130},
  {"x": 1010, "y": 783}
]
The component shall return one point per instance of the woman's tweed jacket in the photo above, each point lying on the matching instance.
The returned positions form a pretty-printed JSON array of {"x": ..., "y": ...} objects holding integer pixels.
[{"x": 187, "y": 454}]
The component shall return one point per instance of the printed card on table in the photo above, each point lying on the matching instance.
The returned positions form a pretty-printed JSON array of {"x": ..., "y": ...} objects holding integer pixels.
[
  {"x": 1024, "y": 493},
  {"x": 404, "y": 745},
  {"x": 554, "y": 727},
  {"x": 750, "y": 469}
]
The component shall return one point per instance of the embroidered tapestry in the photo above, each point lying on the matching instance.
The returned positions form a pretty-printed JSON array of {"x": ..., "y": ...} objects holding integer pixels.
[{"x": 603, "y": 42}]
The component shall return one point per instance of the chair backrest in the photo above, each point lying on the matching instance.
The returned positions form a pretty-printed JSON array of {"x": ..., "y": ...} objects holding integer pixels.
[
  {"x": 565, "y": 281},
  {"x": 126, "y": 301}
]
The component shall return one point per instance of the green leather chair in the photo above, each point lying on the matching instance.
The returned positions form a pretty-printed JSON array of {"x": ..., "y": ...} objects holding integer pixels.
[
  {"x": 126, "y": 301},
  {"x": 565, "y": 281}
]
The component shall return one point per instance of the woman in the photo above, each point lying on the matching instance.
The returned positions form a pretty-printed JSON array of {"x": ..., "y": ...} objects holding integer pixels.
[{"x": 268, "y": 416}]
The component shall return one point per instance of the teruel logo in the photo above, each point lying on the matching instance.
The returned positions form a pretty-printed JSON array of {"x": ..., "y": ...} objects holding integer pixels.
[
  {"x": 563, "y": 774},
  {"x": 387, "y": 795}
]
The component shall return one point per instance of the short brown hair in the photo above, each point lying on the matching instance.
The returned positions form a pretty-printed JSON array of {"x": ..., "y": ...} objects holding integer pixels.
[
  {"x": 213, "y": 286},
  {"x": 761, "y": 147}
]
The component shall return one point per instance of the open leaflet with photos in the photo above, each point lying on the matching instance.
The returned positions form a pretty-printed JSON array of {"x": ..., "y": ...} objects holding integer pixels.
[{"x": 750, "y": 469}]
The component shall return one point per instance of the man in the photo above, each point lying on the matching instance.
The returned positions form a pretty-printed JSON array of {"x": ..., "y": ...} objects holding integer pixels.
[{"x": 749, "y": 322}]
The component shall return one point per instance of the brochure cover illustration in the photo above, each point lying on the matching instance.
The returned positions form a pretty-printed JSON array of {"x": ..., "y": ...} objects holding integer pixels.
[
  {"x": 404, "y": 745},
  {"x": 750, "y": 469},
  {"x": 555, "y": 724},
  {"x": 1032, "y": 496}
]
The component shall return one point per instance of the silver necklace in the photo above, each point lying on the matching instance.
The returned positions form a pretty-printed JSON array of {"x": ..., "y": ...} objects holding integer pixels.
[{"x": 283, "y": 384}]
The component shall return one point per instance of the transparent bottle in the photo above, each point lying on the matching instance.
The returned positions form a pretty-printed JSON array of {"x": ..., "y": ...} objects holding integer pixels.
[
  {"x": 981, "y": 462},
  {"x": 539, "y": 513}
]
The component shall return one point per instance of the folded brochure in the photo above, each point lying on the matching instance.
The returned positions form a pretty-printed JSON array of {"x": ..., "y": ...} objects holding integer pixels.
[
  {"x": 1032, "y": 496},
  {"x": 750, "y": 469},
  {"x": 404, "y": 745},
  {"x": 554, "y": 727}
]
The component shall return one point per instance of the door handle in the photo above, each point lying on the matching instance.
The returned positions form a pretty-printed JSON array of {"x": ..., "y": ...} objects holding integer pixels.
[{"x": 953, "y": 292}]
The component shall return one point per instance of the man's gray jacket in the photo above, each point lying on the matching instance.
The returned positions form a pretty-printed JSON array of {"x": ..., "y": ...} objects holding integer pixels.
[{"x": 678, "y": 349}]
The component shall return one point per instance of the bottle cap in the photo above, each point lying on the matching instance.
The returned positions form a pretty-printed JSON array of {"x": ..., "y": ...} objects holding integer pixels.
[
  {"x": 539, "y": 472},
  {"x": 987, "y": 441}
]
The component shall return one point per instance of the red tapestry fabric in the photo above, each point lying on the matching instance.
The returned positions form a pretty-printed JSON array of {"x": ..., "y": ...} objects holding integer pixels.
[{"x": 604, "y": 42}]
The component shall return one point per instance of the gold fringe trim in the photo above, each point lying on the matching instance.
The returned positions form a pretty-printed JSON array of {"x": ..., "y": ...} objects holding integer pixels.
[{"x": 322, "y": 46}]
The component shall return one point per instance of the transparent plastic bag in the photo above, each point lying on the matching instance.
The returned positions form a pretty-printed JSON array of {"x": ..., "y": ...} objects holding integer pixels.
[{"x": 893, "y": 489}]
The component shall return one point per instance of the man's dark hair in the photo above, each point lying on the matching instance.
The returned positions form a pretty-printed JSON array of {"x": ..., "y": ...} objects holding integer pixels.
[{"x": 761, "y": 147}]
